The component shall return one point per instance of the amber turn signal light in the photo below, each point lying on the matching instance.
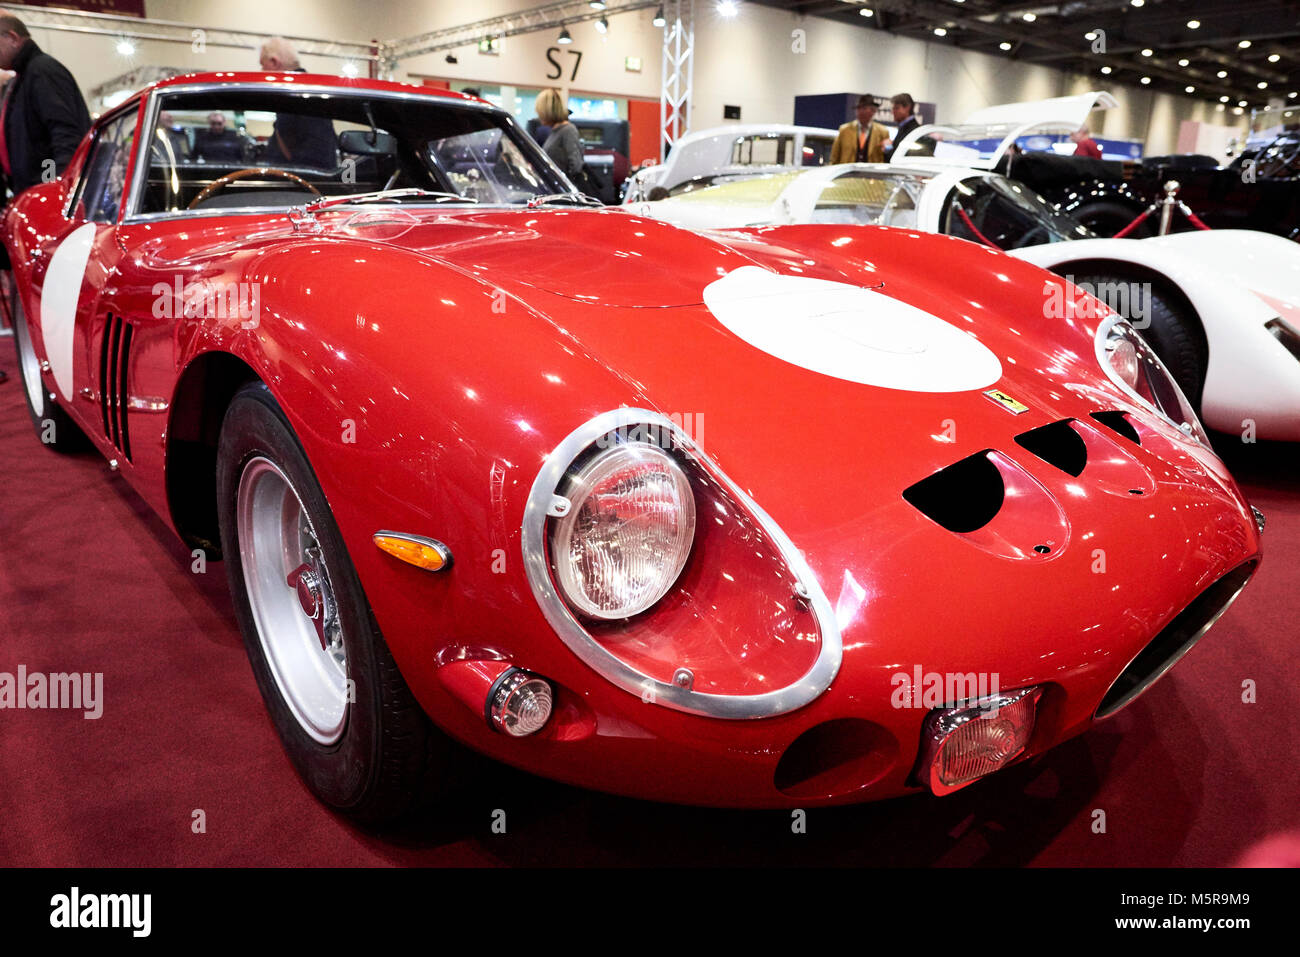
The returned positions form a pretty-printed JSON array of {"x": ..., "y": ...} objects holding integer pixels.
[{"x": 426, "y": 553}]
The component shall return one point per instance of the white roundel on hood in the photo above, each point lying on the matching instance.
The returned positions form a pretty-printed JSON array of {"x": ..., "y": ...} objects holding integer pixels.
[{"x": 850, "y": 333}]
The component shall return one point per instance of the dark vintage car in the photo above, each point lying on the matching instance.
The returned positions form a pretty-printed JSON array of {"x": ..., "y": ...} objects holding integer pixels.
[{"x": 1259, "y": 190}]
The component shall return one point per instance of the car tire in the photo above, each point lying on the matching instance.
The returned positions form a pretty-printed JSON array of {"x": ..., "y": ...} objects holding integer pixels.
[
  {"x": 372, "y": 753},
  {"x": 1173, "y": 334},
  {"x": 1108, "y": 217},
  {"x": 54, "y": 427}
]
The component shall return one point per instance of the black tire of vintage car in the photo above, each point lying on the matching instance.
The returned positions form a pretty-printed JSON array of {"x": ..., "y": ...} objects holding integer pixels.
[
  {"x": 1106, "y": 217},
  {"x": 372, "y": 753}
]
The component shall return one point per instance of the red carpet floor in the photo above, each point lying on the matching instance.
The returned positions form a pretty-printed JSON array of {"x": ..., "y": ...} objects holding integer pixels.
[{"x": 91, "y": 581}]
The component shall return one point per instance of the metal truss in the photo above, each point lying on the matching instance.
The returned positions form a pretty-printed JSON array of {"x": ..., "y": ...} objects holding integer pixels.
[
  {"x": 676, "y": 74},
  {"x": 545, "y": 17},
  {"x": 168, "y": 31}
]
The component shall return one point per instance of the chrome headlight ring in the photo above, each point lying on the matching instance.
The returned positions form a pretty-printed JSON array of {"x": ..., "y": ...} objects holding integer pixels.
[
  {"x": 545, "y": 502},
  {"x": 1131, "y": 364}
]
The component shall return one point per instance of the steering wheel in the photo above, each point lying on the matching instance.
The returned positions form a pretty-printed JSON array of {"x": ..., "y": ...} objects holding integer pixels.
[
  {"x": 1282, "y": 164},
  {"x": 1032, "y": 238},
  {"x": 224, "y": 181}
]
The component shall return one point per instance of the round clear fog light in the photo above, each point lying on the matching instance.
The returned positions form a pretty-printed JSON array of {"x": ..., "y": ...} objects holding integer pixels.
[{"x": 520, "y": 703}]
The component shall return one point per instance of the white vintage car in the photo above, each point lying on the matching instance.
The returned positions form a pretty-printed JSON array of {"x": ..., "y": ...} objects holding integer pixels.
[
  {"x": 725, "y": 152},
  {"x": 1220, "y": 307}
]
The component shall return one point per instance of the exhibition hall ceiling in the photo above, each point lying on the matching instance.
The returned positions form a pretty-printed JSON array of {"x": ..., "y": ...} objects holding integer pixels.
[{"x": 1226, "y": 52}]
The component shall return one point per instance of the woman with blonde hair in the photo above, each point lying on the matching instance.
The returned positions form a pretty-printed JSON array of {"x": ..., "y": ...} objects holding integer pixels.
[{"x": 563, "y": 145}]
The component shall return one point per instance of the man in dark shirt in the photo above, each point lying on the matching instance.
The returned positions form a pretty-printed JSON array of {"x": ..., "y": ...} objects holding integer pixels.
[
  {"x": 217, "y": 144},
  {"x": 296, "y": 140},
  {"x": 43, "y": 118}
]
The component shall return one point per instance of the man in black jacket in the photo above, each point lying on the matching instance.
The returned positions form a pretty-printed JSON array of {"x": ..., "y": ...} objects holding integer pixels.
[{"x": 43, "y": 117}]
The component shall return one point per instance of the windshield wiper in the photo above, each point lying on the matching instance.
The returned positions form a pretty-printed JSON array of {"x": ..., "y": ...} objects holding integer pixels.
[
  {"x": 576, "y": 198},
  {"x": 304, "y": 216}
]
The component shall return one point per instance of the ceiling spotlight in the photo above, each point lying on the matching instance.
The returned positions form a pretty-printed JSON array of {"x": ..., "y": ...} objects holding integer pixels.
[
  {"x": 1004, "y": 45},
  {"x": 1262, "y": 84},
  {"x": 867, "y": 12},
  {"x": 1189, "y": 89},
  {"x": 1137, "y": 3},
  {"x": 1145, "y": 80},
  {"x": 659, "y": 20},
  {"x": 1222, "y": 74},
  {"x": 940, "y": 32},
  {"x": 728, "y": 8},
  {"x": 125, "y": 47},
  {"x": 1244, "y": 45},
  {"x": 596, "y": 4},
  {"x": 1106, "y": 70},
  {"x": 1029, "y": 17},
  {"x": 1273, "y": 58},
  {"x": 1241, "y": 102},
  {"x": 565, "y": 36},
  {"x": 350, "y": 69},
  {"x": 1193, "y": 24},
  {"x": 451, "y": 58},
  {"x": 1184, "y": 61},
  {"x": 602, "y": 25},
  {"x": 1223, "y": 99},
  {"x": 1291, "y": 95},
  {"x": 1148, "y": 52}
]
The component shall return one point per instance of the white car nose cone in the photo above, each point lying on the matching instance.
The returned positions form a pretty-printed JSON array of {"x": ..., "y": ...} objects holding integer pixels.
[{"x": 851, "y": 333}]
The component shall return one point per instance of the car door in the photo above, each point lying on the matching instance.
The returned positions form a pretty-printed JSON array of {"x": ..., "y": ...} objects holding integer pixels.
[{"x": 87, "y": 349}]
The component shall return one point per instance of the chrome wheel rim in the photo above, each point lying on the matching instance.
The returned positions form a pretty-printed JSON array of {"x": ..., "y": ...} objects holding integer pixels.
[
  {"x": 292, "y": 599},
  {"x": 31, "y": 366}
]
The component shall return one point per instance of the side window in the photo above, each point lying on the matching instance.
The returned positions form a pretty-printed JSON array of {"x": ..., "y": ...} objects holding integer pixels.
[{"x": 104, "y": 177}]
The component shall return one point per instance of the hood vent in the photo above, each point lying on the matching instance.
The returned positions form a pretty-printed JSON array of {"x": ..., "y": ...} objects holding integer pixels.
[
  {"x": 1117, "y": 422},
  {"x": 1057, "y": 444},
  {"x": 963, "y": 497}
]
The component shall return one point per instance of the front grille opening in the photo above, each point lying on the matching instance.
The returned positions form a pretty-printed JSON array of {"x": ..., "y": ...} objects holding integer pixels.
[
  {"x": 1057, "y": 444},
  {"x": 963, "y": 497},
  {"x": 1175, "y": 640},
  {"x": 835, "y": 758},
  {"x": 1117, "y": 422},
  {"x": 1286, "y": 335}
]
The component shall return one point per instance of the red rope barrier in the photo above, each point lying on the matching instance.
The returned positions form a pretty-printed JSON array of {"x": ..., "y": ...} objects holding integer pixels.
[
  {"x": 971, "y": 226},
  {"x": 1132, "y": 226},
  {"x": 1194, "y": 219}
]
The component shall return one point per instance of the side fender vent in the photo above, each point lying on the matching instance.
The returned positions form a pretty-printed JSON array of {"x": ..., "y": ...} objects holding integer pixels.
[
  {"x": 114, "y": 363},
  {"x": 963, "y": 497},
  {"x": 1057, "y": 444},
  {"x": 1117, "y": 422}
]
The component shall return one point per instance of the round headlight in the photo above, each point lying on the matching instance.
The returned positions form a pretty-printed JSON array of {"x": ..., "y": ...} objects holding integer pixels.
[
  {"x": 627, "y": 533},
  {"x": 1134, "y": 367}
]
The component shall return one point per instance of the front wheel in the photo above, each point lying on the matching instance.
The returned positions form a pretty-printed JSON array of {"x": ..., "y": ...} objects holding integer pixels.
[{"x": 343, "y": 712}]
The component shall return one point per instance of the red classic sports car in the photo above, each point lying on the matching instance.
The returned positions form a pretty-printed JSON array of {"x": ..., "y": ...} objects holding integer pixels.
[{"x": 782, "y": 517}]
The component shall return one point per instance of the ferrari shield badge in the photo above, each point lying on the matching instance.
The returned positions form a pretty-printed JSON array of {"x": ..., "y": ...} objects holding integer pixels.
[{"x": 1011, "y": 405}]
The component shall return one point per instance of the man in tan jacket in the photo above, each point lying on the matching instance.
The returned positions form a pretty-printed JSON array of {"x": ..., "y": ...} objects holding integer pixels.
[{"x": 863, "y": 140}]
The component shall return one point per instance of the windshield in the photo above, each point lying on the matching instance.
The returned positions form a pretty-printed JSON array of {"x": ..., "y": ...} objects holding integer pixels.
[
  {"x": 870, "y": 198},
  {"x": 997, "y": 212},
  {"x": 272, "y": 149}
]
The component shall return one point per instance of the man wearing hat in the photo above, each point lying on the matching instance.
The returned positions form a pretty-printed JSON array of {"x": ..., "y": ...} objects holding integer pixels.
[{"x": 863, "y": 140}]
